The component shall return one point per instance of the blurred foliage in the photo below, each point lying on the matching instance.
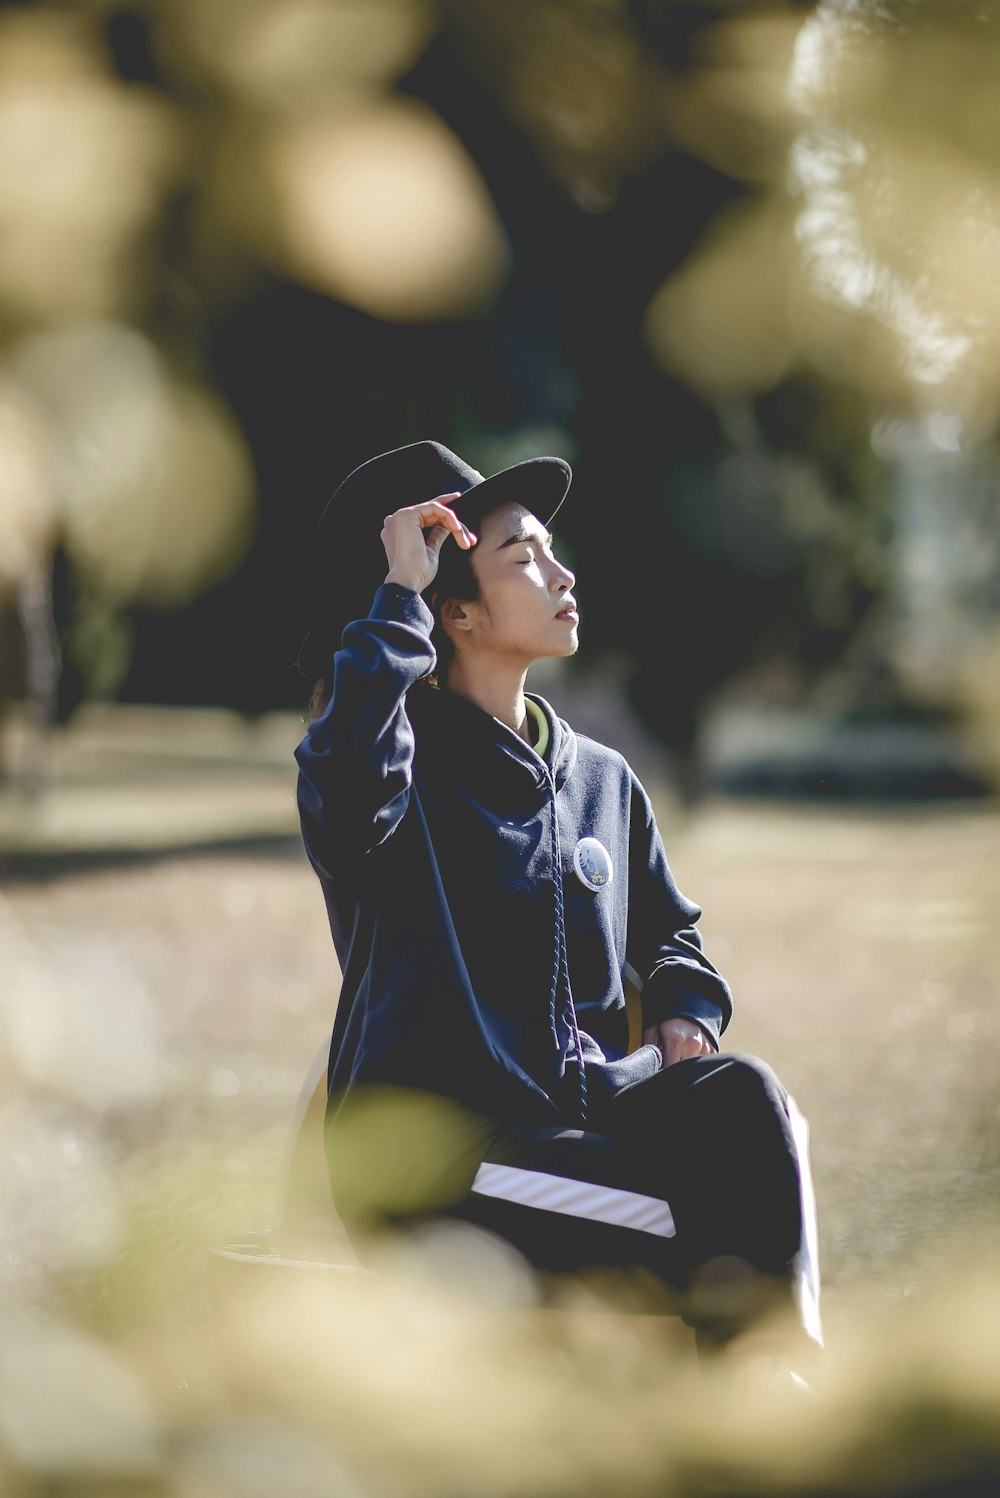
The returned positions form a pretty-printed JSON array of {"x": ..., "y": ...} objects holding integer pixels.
[
  {"x": 436, "y": 1373},
  {"x": 708, "y": 251}
]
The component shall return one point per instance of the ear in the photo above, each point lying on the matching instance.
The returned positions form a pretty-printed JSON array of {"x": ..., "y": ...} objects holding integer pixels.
[{"x": 454, "y": 613}]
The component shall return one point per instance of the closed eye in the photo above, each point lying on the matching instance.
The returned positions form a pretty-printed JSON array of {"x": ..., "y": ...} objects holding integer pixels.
[{"x": 520, "y": 538}]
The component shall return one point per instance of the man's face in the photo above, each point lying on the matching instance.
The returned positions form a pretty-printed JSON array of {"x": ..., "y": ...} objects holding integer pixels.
[{"x": 525, "y": 611}]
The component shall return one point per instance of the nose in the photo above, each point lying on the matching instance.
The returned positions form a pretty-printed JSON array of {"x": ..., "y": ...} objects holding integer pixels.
[{"x": 565, "y": 577}]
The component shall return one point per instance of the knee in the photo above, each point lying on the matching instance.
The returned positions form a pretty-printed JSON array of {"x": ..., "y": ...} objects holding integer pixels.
[{"x": 752, "y": 1078}]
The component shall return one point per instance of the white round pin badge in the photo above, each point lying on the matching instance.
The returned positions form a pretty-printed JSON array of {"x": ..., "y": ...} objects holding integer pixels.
[{"x": 592, "y": 863}]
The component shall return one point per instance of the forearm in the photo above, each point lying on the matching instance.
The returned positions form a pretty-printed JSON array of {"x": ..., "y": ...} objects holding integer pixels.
[
  {"x": 679, "y": 980},
  {"x": 355, "y": 760}
]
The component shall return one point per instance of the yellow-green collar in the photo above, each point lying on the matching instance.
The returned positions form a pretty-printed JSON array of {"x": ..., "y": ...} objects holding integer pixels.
[{"x": 541, "y": 723}]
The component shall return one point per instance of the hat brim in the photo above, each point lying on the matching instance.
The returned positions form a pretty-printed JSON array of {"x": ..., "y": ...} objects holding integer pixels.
[{"x": 540, "y": 484}]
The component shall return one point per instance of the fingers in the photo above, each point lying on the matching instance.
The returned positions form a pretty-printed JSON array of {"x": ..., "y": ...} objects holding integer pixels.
[
  {"x": 435, "y": 538},
  {"x": 678, "y": 1040},
  {"x": 683, "y": 1048},
  {"x": 434, "y": 512}
]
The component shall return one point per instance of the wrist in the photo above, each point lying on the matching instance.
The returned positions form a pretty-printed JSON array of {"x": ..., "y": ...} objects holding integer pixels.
[{"x": 403, "y": 579}]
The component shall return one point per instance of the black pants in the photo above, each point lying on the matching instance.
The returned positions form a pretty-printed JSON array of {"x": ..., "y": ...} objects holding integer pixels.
[{"x": 697, "y": 1175}]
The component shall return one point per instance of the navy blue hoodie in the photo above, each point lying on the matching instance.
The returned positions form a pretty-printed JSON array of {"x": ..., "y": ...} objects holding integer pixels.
[{"x": 476, "y": 964}]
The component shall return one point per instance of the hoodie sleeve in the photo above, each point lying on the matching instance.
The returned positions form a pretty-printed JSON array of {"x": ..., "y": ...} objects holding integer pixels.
[
  {"x": 664, "y": 947},
  {"x": 356, "y": 759}
]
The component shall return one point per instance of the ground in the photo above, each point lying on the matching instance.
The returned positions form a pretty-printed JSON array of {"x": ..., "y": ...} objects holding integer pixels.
[{"x": 167, "y": 976}]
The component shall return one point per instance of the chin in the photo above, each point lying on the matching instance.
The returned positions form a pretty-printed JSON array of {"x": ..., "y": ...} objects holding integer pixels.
[{"x": 557, "y": 649}]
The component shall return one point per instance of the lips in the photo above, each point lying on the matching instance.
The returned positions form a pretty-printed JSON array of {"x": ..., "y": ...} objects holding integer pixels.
[{"x": 568, "y": 612}]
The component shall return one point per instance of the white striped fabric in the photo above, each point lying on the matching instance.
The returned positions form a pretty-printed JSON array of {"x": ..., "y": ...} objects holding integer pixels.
[
  {"x": 550, "y": 1193},
  {"x": 807, "y": 1287}
]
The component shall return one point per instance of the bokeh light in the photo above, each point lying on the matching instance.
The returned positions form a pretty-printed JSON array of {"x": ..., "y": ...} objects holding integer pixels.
[
  {"x": 149, "y": 474},
  {"x": 896, "y": 166},
  {"x": 84, "y": 166},
  {"x": 384, "y": 209},
  {"x": 725, "y": 322},
  {"x": 289, "y": 52}
]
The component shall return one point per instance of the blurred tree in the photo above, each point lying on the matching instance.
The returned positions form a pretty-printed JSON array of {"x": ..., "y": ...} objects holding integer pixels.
[{"x": 694, "y": 247}]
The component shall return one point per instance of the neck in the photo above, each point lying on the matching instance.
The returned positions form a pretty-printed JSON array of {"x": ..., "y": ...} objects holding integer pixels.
[{"x": 497, "y": 688}]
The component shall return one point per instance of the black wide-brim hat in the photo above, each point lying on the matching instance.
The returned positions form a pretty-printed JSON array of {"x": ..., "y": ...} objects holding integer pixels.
[{"x": 350, "y": 556}]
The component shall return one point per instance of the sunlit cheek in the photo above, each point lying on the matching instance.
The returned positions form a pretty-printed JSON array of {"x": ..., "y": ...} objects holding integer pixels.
[{"x": 518, "y": 609}]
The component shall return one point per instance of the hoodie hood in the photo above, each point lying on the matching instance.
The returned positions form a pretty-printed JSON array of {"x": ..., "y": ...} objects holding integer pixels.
[{"x": 490, "y": 761}]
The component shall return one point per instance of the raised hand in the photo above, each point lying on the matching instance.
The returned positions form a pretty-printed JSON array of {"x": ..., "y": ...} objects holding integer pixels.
[{"x": 413, "y": 537}]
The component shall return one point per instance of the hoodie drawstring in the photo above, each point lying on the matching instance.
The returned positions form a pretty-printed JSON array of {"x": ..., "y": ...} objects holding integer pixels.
[{"x": 560, "y": 968}]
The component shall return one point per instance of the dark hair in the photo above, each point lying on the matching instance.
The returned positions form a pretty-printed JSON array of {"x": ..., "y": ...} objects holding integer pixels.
[
  {"x": 455, "y": 579},
  {"x": 319, "y": 700}
]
